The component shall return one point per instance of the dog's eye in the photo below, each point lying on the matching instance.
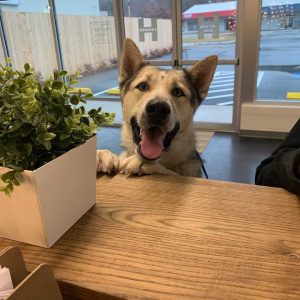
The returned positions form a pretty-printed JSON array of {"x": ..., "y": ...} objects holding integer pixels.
[
  {"x": 177, "y": 92},
  {"x": 143, "y": 86}
]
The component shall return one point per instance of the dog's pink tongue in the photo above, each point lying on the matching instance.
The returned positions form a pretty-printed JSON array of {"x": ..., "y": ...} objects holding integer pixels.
[{"x": 152, "y": 143}]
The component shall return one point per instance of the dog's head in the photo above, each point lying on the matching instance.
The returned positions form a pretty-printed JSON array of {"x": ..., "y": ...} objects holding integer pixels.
[{"x": 157, "y": 103}]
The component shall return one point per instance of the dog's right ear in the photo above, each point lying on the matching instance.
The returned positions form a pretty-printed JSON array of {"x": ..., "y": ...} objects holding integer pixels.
[
  {"x": 131, "y": 61},
  {"x": 201, "y": 75}
]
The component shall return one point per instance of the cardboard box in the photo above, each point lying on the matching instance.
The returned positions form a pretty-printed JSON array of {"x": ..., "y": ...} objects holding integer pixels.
[
  {"x": 40, "y": 284},
  {"x": 50, "y": 199}
]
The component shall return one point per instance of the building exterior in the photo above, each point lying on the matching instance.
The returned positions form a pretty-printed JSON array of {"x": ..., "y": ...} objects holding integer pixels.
[
  {"x": 226, "y": 12},
  {"x": 283, "y": 14},
  {"x": 276, "y": 14}
]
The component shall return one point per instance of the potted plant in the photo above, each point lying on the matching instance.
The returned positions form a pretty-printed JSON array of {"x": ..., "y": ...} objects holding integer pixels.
[{"x": 47, "y": 155}]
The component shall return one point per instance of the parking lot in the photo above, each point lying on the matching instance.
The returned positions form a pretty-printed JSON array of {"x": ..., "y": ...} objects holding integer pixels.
[{"x": 279, "y": 69}]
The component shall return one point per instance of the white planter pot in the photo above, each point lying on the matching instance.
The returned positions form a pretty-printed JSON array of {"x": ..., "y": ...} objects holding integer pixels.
[{"x": 50, "y": 199}]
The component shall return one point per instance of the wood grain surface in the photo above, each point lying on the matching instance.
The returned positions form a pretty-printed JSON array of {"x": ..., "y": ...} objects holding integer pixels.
[{"x": 165, "y": 237}]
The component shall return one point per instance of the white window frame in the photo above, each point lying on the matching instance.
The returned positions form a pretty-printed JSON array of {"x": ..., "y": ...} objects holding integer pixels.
[{"x": 258, "y": 115}]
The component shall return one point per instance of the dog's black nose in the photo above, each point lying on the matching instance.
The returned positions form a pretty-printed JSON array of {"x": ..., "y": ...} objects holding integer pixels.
[{"x": 158, "y": 110}]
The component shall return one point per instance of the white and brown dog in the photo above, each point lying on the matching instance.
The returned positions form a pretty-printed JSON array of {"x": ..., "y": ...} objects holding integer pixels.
[{"x": 158, "y": 107}]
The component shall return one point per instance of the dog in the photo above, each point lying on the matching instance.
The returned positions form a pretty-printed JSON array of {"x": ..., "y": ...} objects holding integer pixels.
[{"x": 158, "y": 108}]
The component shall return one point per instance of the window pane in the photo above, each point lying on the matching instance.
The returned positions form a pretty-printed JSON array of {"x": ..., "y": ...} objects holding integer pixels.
[
  {"x": 208, "y": 27},
  {"x": 218, "y": 105},
  {"x": 278, "y": 77},
  {"x": 149, "y": 25},
  {"x": 88, "y": 40},
  {"x": 29, "y": 35}
]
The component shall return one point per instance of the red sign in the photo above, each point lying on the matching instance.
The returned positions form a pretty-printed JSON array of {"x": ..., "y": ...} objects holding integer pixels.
[{"x": 210, "y": 14}]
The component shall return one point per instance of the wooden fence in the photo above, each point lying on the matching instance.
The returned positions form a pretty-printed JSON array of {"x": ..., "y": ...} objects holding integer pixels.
[
  {"x": 2, "y": 57},
  {"x": 30, "y": 39},
  {"x": 88, "y": 42}
]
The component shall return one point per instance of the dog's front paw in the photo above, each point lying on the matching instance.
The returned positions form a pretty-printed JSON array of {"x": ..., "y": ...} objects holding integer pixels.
[
  {"x": 156, "y": 168},
  {"x": 107, "y": 162},
  {"x": 131, "y": 165}
]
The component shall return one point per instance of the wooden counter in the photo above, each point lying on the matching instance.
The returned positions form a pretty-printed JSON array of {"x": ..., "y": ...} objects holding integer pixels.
[{"x": 165, "y": 237}]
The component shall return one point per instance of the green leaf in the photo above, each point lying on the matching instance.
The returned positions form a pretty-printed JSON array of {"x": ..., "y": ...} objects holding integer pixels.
[
  {"x": 41, "y": 129},
  {"x": 47, "y": 145},
  {"x": 7, "y": 189},
  {"x": 26, "y": 131},
  {"x": 11, "y": 179},
  {"x": 63, "y": 73},
  {"x": 57, "y": 85},
  {"x": 12, "y": 88},
  {"x": 55, "y": 74},
  {"x": 45, "y": 137},
  {"x": 28, "y": 148},
  {"x": 74, "y": 99},
  {"x": 9, "y": 103},
  {"x": 27, "y": 67},
  {"x": 68, "y": 122},
  {"x": 64, "y": 136},
  {"x": 88, "y": 95},
  {"x": 85, "y": 120},
  {"x": 74, "y": 81},
  {"x": 19, "y": 82},
  {"x": 47, "y": 91},
  {"x": 16, "y": 169},
  {"x": 49, "y": 136}
]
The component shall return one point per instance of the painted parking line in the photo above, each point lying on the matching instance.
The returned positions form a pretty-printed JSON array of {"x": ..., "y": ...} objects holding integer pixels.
[
  {"x": 222, "y": 90},
  {"x": 259, "y": 78},
  {"x": 218, "y": 73},
  {"x": 223, "y": 80},
  {"x": 220, "y": 96},
  {"x": 225, "y": 103},
  {"x": 225, "y": 72},
  {"x": 221, "y": 85},
  {"x": 105, "y": 91},
  {"x": 224, "y": 76}
]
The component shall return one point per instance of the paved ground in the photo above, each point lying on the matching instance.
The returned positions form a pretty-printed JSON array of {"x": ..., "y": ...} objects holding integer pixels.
[
  {"x": 221, "y": 90},
  {"x": 279, "y": 73}
]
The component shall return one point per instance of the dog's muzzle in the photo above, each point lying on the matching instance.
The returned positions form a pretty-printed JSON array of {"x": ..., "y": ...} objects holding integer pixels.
[{"x": 152, "y": 142}]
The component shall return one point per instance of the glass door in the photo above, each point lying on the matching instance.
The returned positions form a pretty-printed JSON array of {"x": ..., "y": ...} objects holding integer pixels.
[
  {"x": 177, "y": 34},
  {"x": 208, "y": 27}
]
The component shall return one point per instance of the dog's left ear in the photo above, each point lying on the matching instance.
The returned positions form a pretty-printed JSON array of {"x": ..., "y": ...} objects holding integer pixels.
[
  {"x": 201, "y": 75},
  {"x": 131, "y": 61}
]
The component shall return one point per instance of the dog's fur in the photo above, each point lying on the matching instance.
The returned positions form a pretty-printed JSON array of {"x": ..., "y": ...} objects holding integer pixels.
[{"x": 158, "y": 107}]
